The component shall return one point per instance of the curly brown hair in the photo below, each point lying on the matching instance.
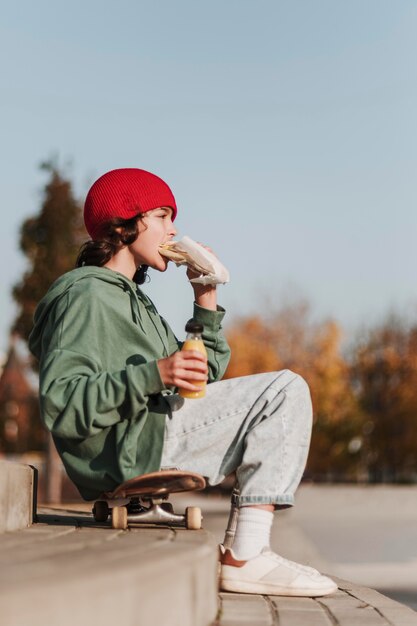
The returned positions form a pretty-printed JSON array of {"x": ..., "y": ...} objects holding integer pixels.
[{"x": 114, "y": 235}]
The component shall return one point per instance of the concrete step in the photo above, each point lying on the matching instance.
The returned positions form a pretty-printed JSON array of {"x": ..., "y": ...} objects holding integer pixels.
[
  {"x": 68, "y": 569},
  {"x": 17, "y": 496}
]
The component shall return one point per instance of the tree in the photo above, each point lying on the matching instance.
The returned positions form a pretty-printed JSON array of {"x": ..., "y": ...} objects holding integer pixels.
[
  {"x": 21, "y": 429},
  {"x": 252, "y": 353},
  {"x": 337, "y": 417},
  {"x": 385, "y": 373},
  {"x": 50, "y": 240},
  {"x": 288, "y": 339}
]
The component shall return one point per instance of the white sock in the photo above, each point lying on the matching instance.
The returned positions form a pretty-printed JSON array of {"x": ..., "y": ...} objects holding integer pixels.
[{"x": 252, "y": 532}]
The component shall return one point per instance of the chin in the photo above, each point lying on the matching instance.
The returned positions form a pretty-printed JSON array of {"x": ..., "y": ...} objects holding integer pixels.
[{"x": 161, "y": 265}]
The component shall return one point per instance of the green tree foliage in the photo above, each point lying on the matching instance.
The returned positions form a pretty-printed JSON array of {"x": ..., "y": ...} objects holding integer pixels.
[{"x": 50, "y": 240}]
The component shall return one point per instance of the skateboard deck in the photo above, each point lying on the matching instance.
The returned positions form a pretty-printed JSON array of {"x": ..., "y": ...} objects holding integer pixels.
[
  {"x": 144, "y": 500},
  {"x": 160, "y": 483}
]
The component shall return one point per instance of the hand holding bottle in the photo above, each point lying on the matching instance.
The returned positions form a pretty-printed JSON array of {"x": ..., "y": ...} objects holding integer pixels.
[
  {"x": 187, "y": 369},
  {"x": 184, "y": 369}
]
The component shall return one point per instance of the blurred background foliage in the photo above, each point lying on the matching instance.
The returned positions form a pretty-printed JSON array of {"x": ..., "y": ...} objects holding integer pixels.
[
  {"x": 50, "y": 241},
  {"x": 364, "y": 396}
]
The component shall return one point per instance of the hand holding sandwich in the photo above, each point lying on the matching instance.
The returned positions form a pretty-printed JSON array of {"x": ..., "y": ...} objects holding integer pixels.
[
  {"x": 204, "y": 295},
  {"x": 204, "y": 270}
]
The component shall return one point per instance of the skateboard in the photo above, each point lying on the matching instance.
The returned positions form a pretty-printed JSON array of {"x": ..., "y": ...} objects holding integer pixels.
[{"x": 144, "y": 500}]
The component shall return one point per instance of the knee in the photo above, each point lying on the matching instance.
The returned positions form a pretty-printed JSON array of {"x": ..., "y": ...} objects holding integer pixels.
[
  {"x": 294, "y": 381},
  {"x": 300, "y": 392},
  {"x": 300, "y": 384}
]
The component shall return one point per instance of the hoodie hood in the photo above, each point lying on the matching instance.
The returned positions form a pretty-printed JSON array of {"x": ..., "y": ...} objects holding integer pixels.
[{"x": 61, "y": 286}]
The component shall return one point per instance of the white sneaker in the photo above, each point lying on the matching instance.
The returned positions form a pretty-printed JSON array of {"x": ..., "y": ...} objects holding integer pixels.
[{"x": 271, "y": 574}]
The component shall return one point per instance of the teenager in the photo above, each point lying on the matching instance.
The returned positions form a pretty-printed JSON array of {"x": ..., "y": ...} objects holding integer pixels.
[{"x": 110, "y": 368}]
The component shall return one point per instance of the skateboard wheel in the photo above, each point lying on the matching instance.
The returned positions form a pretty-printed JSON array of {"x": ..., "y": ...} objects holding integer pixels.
[
  {"x": 119, "y": 517},
  {"x": 193, "y": 518},
  {"x": 101, "y": 511},
  {"x": 167, "y": 506}
]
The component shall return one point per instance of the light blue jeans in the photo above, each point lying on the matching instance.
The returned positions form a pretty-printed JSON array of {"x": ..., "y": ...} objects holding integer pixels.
[{"x": 257, "y": 426}]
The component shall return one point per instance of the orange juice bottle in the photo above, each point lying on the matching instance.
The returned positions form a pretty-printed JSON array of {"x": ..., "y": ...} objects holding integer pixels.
[{"x": 194, "y": 341}]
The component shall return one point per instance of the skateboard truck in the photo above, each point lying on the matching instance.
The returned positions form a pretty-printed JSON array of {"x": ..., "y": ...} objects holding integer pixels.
[{"x": 144, "y": 500}]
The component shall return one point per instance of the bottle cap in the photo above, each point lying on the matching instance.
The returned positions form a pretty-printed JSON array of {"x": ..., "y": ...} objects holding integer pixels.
[{"x": 192, "y": 326}]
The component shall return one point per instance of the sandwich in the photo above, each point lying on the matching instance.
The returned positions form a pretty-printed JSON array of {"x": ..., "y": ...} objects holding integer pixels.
[{"x": 195, "y": 256}]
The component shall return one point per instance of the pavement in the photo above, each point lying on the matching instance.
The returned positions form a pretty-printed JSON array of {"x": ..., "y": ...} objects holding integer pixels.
[
  {"x": 352, "y": 605},
  {"x": 363, "y": 533},
  {"x": 68, "y": 569},
  {"x": 361, "y": 537}
]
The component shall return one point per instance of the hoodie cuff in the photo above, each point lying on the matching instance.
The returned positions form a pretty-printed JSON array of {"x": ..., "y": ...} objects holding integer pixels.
[
  {"x": 211, "y": 320},
  {"x": 146, "y": 378}
]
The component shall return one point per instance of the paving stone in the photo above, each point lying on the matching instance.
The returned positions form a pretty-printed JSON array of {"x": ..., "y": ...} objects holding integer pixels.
[
  {"x": 342, "y": 601},
  {"x": 244, "y": 610},
  {"x": 347, "y": 610},
  {"x": 394, "y": 612},
  {"x": 300, "y": 612},
  {"x": 403, "y": 616}
]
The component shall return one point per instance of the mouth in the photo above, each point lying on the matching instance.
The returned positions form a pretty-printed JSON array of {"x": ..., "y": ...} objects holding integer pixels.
[
  {"x": 166, "y": 246},
  {"x": 167, "y": 251}
]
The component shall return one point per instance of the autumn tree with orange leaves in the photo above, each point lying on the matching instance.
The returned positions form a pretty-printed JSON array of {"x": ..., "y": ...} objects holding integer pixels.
[
  {"x": 288, "y": 339},
  {"x": 385, "y": 373}
]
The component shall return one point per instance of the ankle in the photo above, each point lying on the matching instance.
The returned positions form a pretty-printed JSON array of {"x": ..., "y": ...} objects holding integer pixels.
[
  {"x": 252, "y": 532},
  {"x": 227, "y": 558}
]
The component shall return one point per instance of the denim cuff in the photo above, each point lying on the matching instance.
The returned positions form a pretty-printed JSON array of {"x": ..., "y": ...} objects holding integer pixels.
[{"x": 280, "y": 502}]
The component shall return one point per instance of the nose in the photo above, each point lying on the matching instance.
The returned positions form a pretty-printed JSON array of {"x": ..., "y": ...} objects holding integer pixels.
[{"x": 172, "y": 230}]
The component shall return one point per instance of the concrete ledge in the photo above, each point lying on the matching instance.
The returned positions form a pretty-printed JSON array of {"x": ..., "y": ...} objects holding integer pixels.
[
  {"x": 69, "y": 569},
  {"x": 17, "y": 495}
]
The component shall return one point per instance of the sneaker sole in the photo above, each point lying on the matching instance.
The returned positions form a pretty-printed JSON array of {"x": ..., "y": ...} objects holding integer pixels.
[{"x": 272, "y": 590}]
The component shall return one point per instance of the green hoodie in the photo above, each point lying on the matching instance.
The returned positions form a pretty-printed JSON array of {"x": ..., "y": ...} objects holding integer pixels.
[{"x": 98, "y": 338}]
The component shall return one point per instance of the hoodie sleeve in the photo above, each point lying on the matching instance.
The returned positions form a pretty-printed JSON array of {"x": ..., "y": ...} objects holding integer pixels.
[
  {"x": 218, "y": 351},
  {"x": 78, "y": 399},
  {"x": 78, "y": 395}
]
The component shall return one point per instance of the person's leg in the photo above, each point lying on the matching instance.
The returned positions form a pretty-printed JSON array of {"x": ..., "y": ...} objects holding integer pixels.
[{"x": 258, "y": 426}]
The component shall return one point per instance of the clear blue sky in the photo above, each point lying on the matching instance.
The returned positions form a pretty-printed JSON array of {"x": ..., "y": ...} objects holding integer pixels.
[{"x": 287, "y": 131}]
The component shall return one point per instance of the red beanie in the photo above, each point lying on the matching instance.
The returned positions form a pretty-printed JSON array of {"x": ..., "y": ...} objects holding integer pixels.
[{"x": 124, "y": 193}]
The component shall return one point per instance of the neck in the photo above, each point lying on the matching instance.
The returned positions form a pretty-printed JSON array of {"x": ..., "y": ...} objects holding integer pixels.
[{"x": 123, "y": 263}]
